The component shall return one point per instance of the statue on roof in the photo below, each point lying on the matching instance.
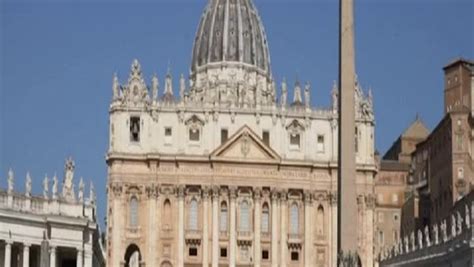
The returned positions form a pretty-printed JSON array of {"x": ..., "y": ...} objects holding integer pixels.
[
  {"x": 154, "y": 87},
  {"x": 307, "y": 96},
  {"x": 68, "y": 185},
  {"x": 334, "y": 96},
  {"x": 80, "y": 194},
  {"x": 28, "y": 185},
  {"x": 11, "y": 180},
  {"x": 55, "y": 187},
  {"x": 115, "y": 87},
  {"x": 45, "y": 186},
  {"x": 284, "y": 93},
  {"x": 182, "y": 87}
]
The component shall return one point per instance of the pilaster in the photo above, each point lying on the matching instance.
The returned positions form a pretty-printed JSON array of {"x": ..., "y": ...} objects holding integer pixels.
[
  {"x": 215, "y": 227},
  {"x": 283, "y": 227},
  {"x": 257, "y": 203},
  {"x": 274, "y": 232},
  {"x": 181, "y": 190},
  {"x": 308, "y": 242},
  {"x": 205, "y": 231},
  {"x": 233, "y": 241}
]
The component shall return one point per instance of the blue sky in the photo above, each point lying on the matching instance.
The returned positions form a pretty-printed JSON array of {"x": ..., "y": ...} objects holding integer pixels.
[{"x": 58, "y": 57}]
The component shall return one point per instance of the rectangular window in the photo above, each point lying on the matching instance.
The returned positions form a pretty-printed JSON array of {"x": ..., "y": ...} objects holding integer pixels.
[
  {"x": 193, "y": 252},
  {"x": 168, "y": 135},
  {"x": 380, "y": 217},
  {"x": 295, "y": 141},
  {"x": 224, "y": 135},
  {"x": 381, "y": 238},
  {"x": 395, "y": 198},
  {"x": 266, "y": 137},
  {"x": 265, "y": 255},
  {"x": 135, "y": 129},
  {"x": 295, "y": 256},
  {"x": 223, "y": 252},
  {"x": 461, "y": 173},
  {"x": 194, "y": 135},
  {"x": 320, "y": 145},
  {"x": 459, "y": 141}
]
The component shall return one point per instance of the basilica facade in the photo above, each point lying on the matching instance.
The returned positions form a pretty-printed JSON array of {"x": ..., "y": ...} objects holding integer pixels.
[{"x": 229, "y": 172}]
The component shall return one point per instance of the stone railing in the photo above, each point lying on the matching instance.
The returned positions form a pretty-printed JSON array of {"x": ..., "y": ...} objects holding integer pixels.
[
  {"x": 440, "y": 240},
  {"x": 68, "y": 202}
]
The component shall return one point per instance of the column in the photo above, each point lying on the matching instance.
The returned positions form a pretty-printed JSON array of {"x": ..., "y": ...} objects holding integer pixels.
[
  {"x": 78, "y": 258},
  {"x": 308, "y": 233},
  {"x": 52, "y": 256},
  {"x": 215, "y": 227},
  {"x": 283, "y": 235},
  {"x": 152, "y": 193},
  {"x": 233, "y": 241},
  {"x": 205, "y": 234},
  {"x": 26, "y": 255},
  {"x": 8, "y": 253},
  {"x": 116, "y": 221},
  {"x": 181, "y": 226},
  {"x": 274, "y": 228},
  {"x": 257, "y": 224},
  {"x": 333, "y": 225},
  {"x": 88, "y": 260}
]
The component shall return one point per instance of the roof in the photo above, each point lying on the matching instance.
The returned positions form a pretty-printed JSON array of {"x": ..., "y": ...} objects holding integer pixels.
[
  {"x": 393, "y": 165},
  {"x": 417, "y": 129},
  {"x": 231, "y": 33},
  {"x": 460, "y": 60}
]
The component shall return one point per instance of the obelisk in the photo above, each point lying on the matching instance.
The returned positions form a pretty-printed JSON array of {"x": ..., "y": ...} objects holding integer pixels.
[{"x": 347, "y": 196}]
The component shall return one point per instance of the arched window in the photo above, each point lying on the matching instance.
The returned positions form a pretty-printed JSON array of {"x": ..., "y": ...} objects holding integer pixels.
[
  {"x": 223, "y": 225},
  {"x": 134, "y": 212},
  {"x": 132, "y": 256},
  {"x": 167, "y": 215},
  {"x": 265, "y": 218},
  {"x": 193, "y": 215},
  {"x": 294, "y": 219},
  {"x": 244, "y": 224},
  {"x": 320, "y": 221}
]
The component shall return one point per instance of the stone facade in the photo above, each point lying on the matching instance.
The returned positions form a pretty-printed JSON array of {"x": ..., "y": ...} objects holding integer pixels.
[
  {"x": 228, "y": 173},
  {"x": 442, "y": 167},
  {"x": 55, "y": 229},
  {"x": 391, "y": 183}
]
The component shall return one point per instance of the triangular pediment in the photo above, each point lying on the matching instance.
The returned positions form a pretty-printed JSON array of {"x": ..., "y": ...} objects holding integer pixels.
[{"x": 245, "y": 145}]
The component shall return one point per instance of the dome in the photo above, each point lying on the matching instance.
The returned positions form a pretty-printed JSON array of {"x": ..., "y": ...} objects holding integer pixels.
[{"x": 230, "y": 31}]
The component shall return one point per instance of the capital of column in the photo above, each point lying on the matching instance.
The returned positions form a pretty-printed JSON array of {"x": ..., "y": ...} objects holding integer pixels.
[
  {"x": 9, "y": 242},
  {"x": 205, "y": 192},
  {"x": 215, "y": 192},
  {"x": 180, "y": 191},
  {"x": 274, "y": 195},
  {"x": 52, "y": 249},
  {"x": 283, "y": 195},
  {"x": 308, "y": 198},
  {"x": 370, "y": 201},
  {"x": 152, "y": 191},
  {"x": 232, "y": 192},
  {"x": 332, "y": 198},
  {"x": 257, "y": 193}
]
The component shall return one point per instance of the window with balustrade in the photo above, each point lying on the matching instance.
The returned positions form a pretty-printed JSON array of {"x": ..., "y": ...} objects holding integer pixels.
[
  {"x": 224, "y": 214},
  {"x": 193, "y": 215},
  {"x": 265, "y": 218},
  {"x": 167, "y": 215},
  {"x": 294, "y": 219},
  {"x": 320, "y": 221},
  {"x": 133, "y": 211},
  {"x": 244, "y": 224}
]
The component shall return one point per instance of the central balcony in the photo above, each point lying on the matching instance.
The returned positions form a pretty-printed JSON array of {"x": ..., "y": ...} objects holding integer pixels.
[
  {"x": 244, "y": 238},
  {"x": 193, "y": 237}
]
